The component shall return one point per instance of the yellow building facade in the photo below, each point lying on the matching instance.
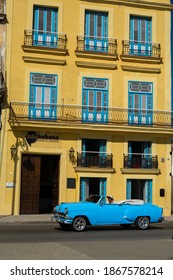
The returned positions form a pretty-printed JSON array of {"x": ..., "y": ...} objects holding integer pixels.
[{"x": 88, "y": 103}]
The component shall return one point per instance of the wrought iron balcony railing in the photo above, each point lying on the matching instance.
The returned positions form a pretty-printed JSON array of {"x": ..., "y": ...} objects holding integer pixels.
[
  {"x": 86, "y": 114},
  {"x": 140, "y": 161},
  {"x": 145, "y": 49},
  {"x": 38, "y": 38},
  {"x": 96, "y": 45},
  {"x": 94, "y": 159}
]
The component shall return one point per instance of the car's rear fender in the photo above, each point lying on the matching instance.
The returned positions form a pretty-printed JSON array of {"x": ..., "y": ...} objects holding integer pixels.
[{"x": 132, "y": 213}]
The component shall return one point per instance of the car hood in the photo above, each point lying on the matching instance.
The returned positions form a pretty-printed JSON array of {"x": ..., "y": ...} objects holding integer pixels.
[{"x": 73, "y": 205}]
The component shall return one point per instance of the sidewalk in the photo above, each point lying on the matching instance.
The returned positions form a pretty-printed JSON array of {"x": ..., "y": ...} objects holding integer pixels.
[{"x": 41, "y": 218}]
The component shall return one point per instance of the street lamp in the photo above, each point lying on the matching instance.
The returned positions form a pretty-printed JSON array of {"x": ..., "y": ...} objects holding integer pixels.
[{"x": 13, "y": 151}]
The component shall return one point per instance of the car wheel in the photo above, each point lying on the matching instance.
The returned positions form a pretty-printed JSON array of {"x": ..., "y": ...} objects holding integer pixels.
[
  {"x": 79, "y": 224},
  {"x": 142, "y": 223}
]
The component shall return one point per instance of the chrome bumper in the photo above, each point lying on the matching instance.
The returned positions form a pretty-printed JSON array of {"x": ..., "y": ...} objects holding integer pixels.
[{"x": 61, "y": 219}]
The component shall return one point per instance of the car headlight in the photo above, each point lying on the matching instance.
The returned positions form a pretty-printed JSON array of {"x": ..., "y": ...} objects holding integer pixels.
[
  {"x": 56, "y": 209},
  {"x": 66, "y": 211}
]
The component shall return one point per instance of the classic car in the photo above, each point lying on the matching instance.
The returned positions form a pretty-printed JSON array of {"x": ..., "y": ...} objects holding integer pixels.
[{"x": 96, "y": 212}]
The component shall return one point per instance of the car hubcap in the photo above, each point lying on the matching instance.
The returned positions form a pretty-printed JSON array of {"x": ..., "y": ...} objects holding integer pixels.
[
  {"x": 143, "y": 222},
  {"x": 79, "y": 224}
]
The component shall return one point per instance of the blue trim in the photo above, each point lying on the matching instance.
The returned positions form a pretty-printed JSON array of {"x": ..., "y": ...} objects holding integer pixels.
[
  {"x": 45, "y": 35},
  {"x": 148, "y": 191},
  {"x": 102, "y": 188},
  {"x": 147, "y": 194},
  {"x": 139, "y": 45},
  {"x": 41, "y": 111},
  {"x": 93, "y": 40},
  {"x": 140, "y": 116},
  {"x": 128, "y": 189},
  {"x": 84, "y": 190},
  {"x": 84, "y": 187},
  {"x": 91, "y": 112}
]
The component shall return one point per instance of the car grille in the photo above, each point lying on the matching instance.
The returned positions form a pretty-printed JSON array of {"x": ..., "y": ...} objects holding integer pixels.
[{"x": 61, "y": 214}]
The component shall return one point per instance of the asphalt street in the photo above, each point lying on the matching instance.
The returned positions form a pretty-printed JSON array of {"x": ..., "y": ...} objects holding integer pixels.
[{"x": 41, "y": 241}]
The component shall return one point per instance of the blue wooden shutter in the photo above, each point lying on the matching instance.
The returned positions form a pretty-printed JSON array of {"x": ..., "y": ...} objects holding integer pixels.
[
  {"x": 84, "y": 189},
  {"x": 128, "y": 189},
  {"x": 43, "y": 96},
  {"x": 102, "y": 151},
  {"x": 148, "y": 191},
  {"x": 96, "y": 31},
  {"x": 103, "y": 187},
  {"x": 140, "y": 36},
  {"x": 45, "y": 26}
]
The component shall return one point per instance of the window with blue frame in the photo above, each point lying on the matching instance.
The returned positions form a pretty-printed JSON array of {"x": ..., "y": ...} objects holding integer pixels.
[
  {"x": 90, "y": 186},
  {"x": 94, "y": 153},
  {"x": 43, "y": 96},
  {"x": 140, "y": 36},
  {"x": 96, "y": 31},
  {"x": 95, "y": 100},
  {"x": 140, "y": 103},
  {"x": 139, "y": 189},
  {"x": 139, "y": 154},
  {"x": 45, "y": 27}
]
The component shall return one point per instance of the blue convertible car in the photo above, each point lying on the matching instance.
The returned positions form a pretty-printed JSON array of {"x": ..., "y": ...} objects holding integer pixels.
[{"x": 95, "y": 212}]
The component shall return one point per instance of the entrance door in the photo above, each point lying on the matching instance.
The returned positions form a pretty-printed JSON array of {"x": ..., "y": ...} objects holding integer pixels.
[
  {"x": 39, "y": 183},
  {"x": 92, "y": 186},
  {"x": 30, "y": 184},
  {"x": 139, "y": 189}
]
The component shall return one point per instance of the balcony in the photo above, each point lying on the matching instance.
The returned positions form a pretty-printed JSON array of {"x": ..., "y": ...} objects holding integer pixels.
[
  {"x": 140, "y": 161},
  {"x": 69, "y": 114},
  {"x": 44, "y": 40},
  {"x": 144, "y": 50},
  {"x": 96, "y": 45},
  {"x": 94, "y": 159}
]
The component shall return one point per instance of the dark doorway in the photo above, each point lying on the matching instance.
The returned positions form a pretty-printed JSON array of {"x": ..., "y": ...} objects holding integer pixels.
[
  {"x": 39, "y": 183},
  {"x": 94, "y": 184}
]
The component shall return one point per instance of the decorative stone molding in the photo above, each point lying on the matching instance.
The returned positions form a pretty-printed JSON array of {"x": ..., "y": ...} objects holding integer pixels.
[
  {"x": 44, "y": 60},
  {"x": 96, "y": 65}
]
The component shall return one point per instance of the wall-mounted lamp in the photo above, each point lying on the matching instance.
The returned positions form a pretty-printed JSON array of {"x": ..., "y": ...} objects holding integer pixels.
[
  {"x": 3, "y": 18},
  {"x": 71, "y": 155},
  {"x": 13, "y": 152}
]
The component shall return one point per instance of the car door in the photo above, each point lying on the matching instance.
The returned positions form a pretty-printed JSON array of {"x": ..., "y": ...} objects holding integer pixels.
[{"x": 109, "y": 214}]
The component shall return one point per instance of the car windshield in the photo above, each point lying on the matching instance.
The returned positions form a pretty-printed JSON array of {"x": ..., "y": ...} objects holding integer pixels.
[{"x": 93, "y": 198}]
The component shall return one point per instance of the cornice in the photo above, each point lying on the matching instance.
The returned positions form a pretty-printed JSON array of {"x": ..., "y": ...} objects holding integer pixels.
[
  {"x": 141, "y": 59},
  {"x": 99, "y": 55},
  {"x": 44, "y": 60},
  {"x": 44, "y": 50},
  {"x": 140, "y": 171},
  {"x": 141, "y": 69},
  {"x": 94, "y": 169},
  {"x": 136, "y": 3},
  {"x": 96, "y": 65}
]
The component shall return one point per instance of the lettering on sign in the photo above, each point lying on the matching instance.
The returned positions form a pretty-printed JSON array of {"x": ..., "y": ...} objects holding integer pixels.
[{"x": 32, "y": 137}]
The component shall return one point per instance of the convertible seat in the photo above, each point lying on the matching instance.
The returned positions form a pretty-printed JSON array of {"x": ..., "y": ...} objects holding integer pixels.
[{"x": 132, "y": 201}]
